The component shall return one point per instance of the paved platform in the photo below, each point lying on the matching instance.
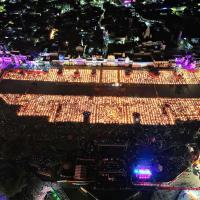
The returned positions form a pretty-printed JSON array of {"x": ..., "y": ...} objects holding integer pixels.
[{"x": 131, "y": 90}]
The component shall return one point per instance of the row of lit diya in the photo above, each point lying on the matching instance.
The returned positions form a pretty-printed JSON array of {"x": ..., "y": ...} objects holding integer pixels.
[
  {"x": 60, "y": 108},
  {"x": 106, "y": 76}
]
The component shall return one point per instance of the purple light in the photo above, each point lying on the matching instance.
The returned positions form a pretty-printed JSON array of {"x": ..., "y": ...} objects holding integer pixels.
[
  {"x": 78, "y": 61},
  {"x": 128, "y": 2},
  {"x": 11, "y": 59},
  {"x": 186, "y": 62},
  {"x": 142, "y": 172},
  {"x": 2, "y": 197}
]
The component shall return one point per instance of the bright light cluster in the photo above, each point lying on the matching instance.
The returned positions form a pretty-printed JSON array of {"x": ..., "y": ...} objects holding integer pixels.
[
  {"x": 105, "y": 110},
  {"x": 110, "y": 76},
  {"x": 66, "y": 76},
  {"x": 143, "y": 173},
  {"x": 165, "y": 77}
]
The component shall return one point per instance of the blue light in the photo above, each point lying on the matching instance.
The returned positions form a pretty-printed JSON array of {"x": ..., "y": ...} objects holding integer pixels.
[
  {"x": 142, "y": 172},
  {"x": 2, "y": 197},
  {"x": 145, "y": 172}
]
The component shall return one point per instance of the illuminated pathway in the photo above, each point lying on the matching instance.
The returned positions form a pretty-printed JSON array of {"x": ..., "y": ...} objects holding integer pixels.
[{"x": 136, "y": 90}]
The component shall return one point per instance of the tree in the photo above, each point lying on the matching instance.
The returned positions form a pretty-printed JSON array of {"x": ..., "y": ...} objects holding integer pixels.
[
  {"x": 16, "y": 149},
  {"x": 13, "y": 178}
]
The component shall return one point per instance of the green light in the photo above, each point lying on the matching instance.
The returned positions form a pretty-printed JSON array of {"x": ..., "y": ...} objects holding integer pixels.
[
  {"x": 2, "y": 9},
  {"x": 55, "y": 195},
  {"x": 178, "y": 10}
]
